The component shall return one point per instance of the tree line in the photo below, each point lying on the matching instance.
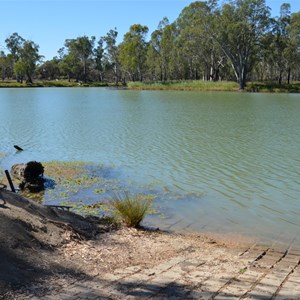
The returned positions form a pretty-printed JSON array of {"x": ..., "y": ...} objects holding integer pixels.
[{"x": 238, "y": 40}]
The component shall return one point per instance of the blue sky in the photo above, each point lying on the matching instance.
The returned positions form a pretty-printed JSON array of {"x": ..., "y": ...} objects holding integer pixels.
[{"x": 49, "y": 22}]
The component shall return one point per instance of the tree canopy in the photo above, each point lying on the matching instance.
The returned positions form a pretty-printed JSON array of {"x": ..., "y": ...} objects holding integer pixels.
[{"x": 233, "y": 40}]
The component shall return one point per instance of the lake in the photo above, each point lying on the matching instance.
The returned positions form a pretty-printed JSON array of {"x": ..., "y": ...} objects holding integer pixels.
[{"x": 232, "y": 157}]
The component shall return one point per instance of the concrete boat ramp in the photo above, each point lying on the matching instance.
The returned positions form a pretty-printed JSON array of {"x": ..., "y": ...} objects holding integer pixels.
[{"x": 256, "y": 272}]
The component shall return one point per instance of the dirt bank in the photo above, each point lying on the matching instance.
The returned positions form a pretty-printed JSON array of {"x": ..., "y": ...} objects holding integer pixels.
[{"x": 54, "y": 254}]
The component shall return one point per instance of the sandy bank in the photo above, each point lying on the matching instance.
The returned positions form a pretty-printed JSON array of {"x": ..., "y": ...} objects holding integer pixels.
[{"x": 53, "y": 254}]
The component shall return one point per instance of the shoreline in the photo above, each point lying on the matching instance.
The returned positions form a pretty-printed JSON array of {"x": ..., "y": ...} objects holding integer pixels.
[
  {"x": 191, "y": 85},
  {"x": 65, "y": 175},
  {"x": 55, "y": 254}
]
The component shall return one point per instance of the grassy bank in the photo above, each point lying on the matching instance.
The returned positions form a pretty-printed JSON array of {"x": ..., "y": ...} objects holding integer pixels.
[
  {"x": 271, "y": 87},
  {"x": 190, "y": 85},
  {"x": 193, "y": 85},
  {"x": 53, "y": 83}
]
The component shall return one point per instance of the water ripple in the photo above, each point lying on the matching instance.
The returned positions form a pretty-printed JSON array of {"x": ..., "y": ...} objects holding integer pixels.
[{"x": 240, "y": 151}]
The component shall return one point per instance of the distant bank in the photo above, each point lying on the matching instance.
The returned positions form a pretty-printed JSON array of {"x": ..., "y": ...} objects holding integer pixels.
[{"x": 189, "y": 85}]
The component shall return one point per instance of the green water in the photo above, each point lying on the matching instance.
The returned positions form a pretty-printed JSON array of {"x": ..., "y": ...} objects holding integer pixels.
[{"x": 238, "y": 152}]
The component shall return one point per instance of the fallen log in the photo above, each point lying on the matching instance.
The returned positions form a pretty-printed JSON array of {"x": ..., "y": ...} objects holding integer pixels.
[{"x": 18, "y": 148}]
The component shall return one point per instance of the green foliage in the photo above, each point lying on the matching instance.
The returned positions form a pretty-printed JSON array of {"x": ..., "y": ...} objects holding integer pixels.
[
  {"x": 79, "y": 51},
  {"x": 24, "y": 56},
  {"x": 131, "y": 209},
  {"x": 12, "y": 84},
  {"x": 112, "y": 61},
  {"x": 14, "y": 44},
  {"x": 133, "y": 52},
  {"x": 6, "y": 65},
  {"x": 195, "y": 41},
  {"x": 49, "y": 70},
  {"x": 271, "y": 87},
  {"x": 210, "y": 40},
  {"x": 53, "y": 83},
  {"x": 238, "y": 29}
]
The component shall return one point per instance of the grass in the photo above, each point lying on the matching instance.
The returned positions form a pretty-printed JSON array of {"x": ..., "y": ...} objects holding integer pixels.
[
  {"x": 52, "y": 83},
  {"x": 176, "y": 85},
  {"x": 131, "y": 210},
  {"x": 187, "y": 85},
  {"x": 199, "y": 85},
  {"x": 273, "y": 87}
]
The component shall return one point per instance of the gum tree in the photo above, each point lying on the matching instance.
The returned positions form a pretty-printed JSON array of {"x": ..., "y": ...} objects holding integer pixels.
[
  {"x": 292, "y": 51},
  {"x": 111, "y": 54},
  {"x": 82, "y": 49},
  {"x": 156, "y": 56},
  {"x": 100, "y": 59},
  {"x": 25, "y": 54},
  {"x": 133, "y": 51},
  {"x": 200, "y": 51},
  {"x": 238, "y": 28}
]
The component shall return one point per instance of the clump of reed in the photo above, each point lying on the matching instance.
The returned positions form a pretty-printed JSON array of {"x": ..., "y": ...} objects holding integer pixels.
[
  {"x": 131, "y": 209},
  {"x": 185, "y": 85}
]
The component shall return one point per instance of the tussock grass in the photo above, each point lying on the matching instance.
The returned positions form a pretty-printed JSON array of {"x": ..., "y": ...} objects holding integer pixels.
[
  {"x": 199, "y": 85},
  {"x": 131, "y": 209},
  {"x": 188, "y": 85}
]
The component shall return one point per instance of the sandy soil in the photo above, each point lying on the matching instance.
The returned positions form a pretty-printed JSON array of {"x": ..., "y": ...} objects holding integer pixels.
[{"x": 37, "y": 242}]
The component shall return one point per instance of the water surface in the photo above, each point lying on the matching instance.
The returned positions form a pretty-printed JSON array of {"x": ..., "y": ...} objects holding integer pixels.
[{"x": 238, "y": 152}]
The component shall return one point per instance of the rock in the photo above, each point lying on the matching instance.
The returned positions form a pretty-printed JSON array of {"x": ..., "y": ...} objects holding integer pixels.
[
  {"x": 30, "y": 175},
  {"x": 17, "y": 171}
]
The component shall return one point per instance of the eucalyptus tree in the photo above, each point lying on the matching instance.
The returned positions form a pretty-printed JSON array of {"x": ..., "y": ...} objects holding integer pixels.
[
  {"x": 238, "y": 27},
  {"x": 279, "y": 54},
  {"x": 29, "y": 58},
  {"x": 69, "y": 65},
  {"x": 81, "y": 49},
  {"x": 25, "y": 55},
  {"x": 201, "y": 52},
  {"x": 171, "y": 63},
  {"x": 49, "y": 69},
  {"x": 280, "y": 42},
  {"x": 6, "y": 65},
  {"x": 2, "y": 65},
  {"x": 265, "y": 67},
  {"x": 162, "y": 59},
  {"x": 133, "y": 52},
  {"x": 111, "y": 54},
  {"x": 155, "y": 60},
  {"x": 14, "y": 43},
  {"x": 293, "y": 49},
  {"x": 100, "y": 59}
]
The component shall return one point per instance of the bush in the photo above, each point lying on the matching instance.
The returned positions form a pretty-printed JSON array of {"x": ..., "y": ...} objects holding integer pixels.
[{"x": 132, "y": 210}]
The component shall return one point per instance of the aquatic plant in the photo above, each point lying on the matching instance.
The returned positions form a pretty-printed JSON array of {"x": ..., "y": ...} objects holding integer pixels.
[
  {"x": 75, "y": 179},
  {"x": 131, "y": 209},
  {"x": 2, "y": 154},
  {"x": 88, "y": 187}
]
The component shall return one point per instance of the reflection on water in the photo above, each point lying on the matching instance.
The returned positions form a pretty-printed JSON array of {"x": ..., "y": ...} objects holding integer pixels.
[{"x": 240, "y": 152}]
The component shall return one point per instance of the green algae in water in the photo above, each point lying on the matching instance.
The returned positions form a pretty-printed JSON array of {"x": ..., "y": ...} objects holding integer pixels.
[
  {"x": 72, "y": 177},
  {"x": 88, "y": 187}
]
